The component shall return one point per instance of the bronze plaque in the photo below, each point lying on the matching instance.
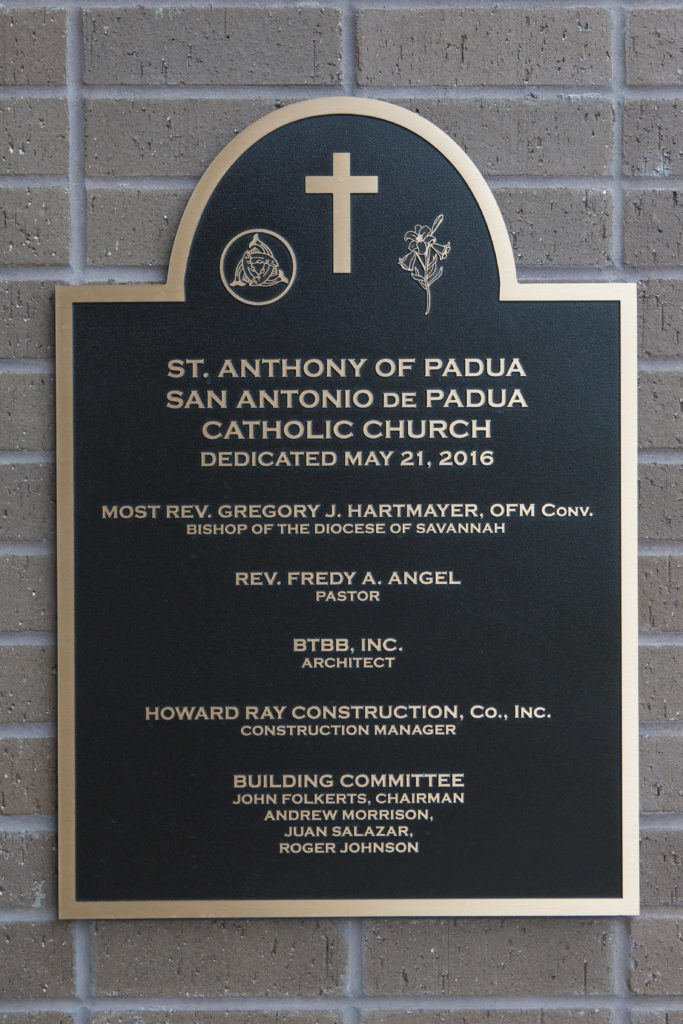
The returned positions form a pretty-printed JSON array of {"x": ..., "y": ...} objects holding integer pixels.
[{"x": 347, "y": 551}]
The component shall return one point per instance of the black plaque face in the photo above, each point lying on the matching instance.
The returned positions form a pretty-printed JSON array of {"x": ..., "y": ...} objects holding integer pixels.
[{"x": 346, "y": 551}]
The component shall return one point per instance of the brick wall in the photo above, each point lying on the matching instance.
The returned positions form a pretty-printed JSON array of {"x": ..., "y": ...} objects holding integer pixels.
[{"x": 108, "y": 114}]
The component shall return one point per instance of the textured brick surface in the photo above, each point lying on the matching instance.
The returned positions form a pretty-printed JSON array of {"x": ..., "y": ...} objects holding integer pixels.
[
  {"x": 527, "y": 46},
  {"x": 131, "y": 227},
  {"x": 661, "y": 600},
  {"x": 661, "y": 856},
  {"x": 527, "y": 136},
  {"x": 654, "y": 47},
  {"x": 660, "y": 773},
  {"x": 661, "y": 501},
  {"x": 28, "y": 677},
  {"x": 201, "y": 46},
  {"x": 660, "y": 305},
  {"x": 28, "y": 870},
  {"x": 36, "y": 1018},
  {"x": 32, "y": 47},
  {"x": 37, "y": 960},
  {"x": 487, "y": 956},
  {"x": 486, "y": 1017},
  {"x": 654, "y": 1017},
  {"x": 563, "y": 226},
  {"x": 163, "y": 137},
  {"x": 657, "y": 964},
  {"x": 27, "y": 776},
  {"x": 28, "y": 319},
  {"x": 557, "y": 136},
  {"x": 34, "y": 229},
  {"x": 215, "y": 958},
  {"x": 218, "y": 1017},
  {"x": 27, "y": 593},
  {"x": 34, "y": 136},
  {"x": 653, "y": 142},
  {"x": 27, "y": 416},
  {"x": 27, "y": 501},
  {"x": 652, "y": 228},
  {"x": 661, "y": 671},
  {"x": 660, "y": 417}
]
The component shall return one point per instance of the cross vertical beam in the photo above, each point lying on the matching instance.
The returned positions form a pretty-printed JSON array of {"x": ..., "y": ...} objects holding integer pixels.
[{"x": 341, "y": 185}]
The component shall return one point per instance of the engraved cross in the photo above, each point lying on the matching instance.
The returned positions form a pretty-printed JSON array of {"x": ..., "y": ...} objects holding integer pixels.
[{"x": 341, "y": 185}]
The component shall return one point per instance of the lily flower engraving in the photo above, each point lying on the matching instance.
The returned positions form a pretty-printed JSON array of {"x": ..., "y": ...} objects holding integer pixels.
[{"x": 424, "y": 255}]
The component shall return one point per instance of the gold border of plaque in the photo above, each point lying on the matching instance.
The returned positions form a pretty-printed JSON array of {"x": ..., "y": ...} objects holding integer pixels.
[{"x": 510, "y": 290}]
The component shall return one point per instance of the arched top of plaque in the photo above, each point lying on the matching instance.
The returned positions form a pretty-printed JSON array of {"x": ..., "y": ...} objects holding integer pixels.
[
  {"x": 352, "y": 203},
  {"x": 400, "y": 126}
]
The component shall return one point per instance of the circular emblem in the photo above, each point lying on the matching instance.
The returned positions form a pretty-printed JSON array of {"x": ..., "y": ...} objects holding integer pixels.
[{"x": 258, "y": 267}]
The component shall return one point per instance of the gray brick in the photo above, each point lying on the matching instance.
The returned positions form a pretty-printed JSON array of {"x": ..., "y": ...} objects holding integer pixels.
[
  {"x": 27, "y": 776},
  {"x": 37, "y": 961},
  {"x": 660, "y": 774},
  {"x": 130, "y": 138},
  {"x": 27, "y": 314},
  {"x": 34, "y": 136},
  {"x": 661, "y": 671},
  {"x": 656, "y": 956},
  {"x": 655, "y": 1017},
  {"x": 527, "y": 46},
  {"x": 660, "y": 510},
  {"x": 410, "y": 1016},
  {"x": 661, "y": 318},
  {"x": 561, "y": 227},
  {"x": 32, "y": 47},
  {"x": 567, "y": 135},
  {"x": 27, "y": 593},
  {"x": 652, "y": 229},
  {"x": 28, "y": 870},
  {"x": 27, "y": 502},
  {"x": 661, "y": 606},
  {"x": 654, "y": 52},
  {"x": 131, "y": 227},
  {"x": 661, "y": 856},
  {"x": 34, "y": 228},
  {"x": 202, "y": 46},
  {"x": 479, "y": 956},
  {"x": 217, "y": 958},
  {"x": 660, "y": 417},
  {"x": 36, "y": 1018},
  {"x": 219, "y": 1017},
  {"x": 28, "y": 677},
  {"x": 653, "y": 142},
  {"x": 27, "y": 412}
]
